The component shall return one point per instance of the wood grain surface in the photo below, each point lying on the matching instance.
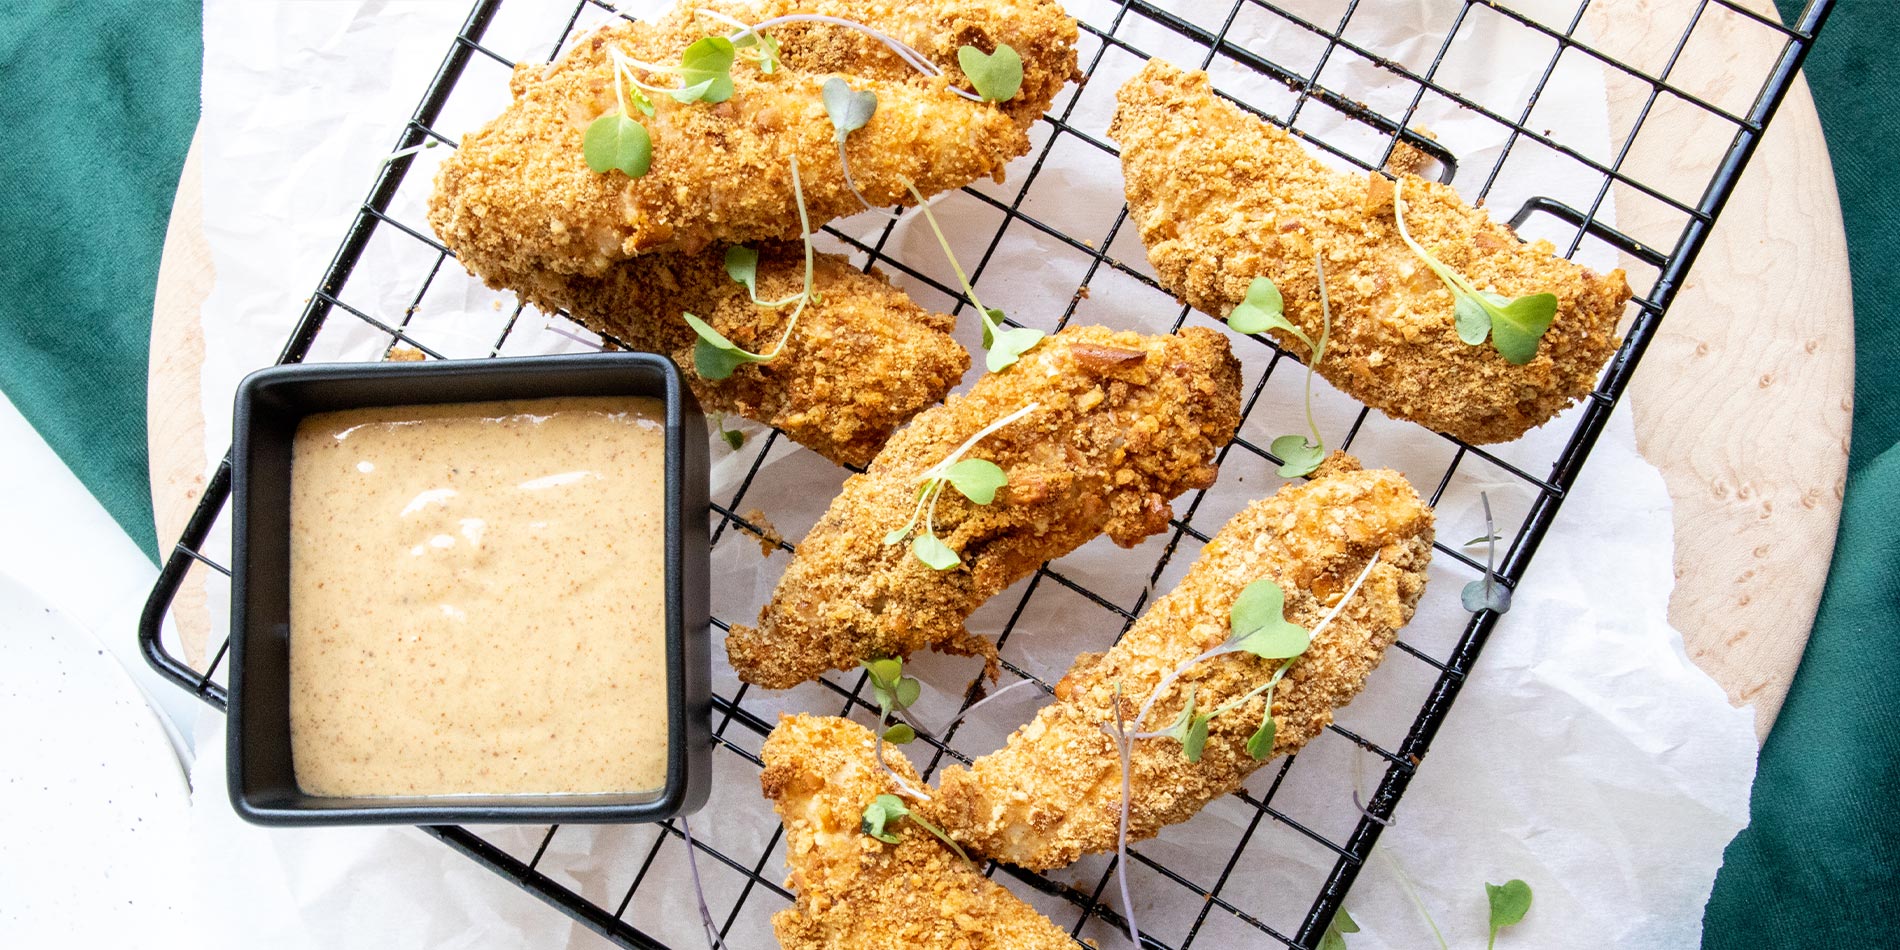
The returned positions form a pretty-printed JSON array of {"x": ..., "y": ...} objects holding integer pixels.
[{"x": 1743, "y": 400}]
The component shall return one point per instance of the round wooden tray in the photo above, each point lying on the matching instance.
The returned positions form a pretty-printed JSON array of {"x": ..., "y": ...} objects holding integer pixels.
[{"x": 1743, "y": 401}]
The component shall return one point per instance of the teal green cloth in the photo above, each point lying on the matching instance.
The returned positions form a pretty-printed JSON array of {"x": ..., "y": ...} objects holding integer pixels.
[
  {"x": 100, "y": 100},
  {"x": 98, "y": 105},
  {"x": 1819, "y": 865}
]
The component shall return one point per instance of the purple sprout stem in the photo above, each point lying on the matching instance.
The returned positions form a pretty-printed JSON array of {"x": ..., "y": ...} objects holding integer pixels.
[
  {"x": 978, "y": 705},
  {"x": 904, "y": 51},
  {"x": 699, "y": 890},
  {"x": 1121, "y": 834}
]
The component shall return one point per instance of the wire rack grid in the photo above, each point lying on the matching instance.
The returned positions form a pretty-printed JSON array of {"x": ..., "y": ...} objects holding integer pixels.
[{"x": 1299, "y": 85}]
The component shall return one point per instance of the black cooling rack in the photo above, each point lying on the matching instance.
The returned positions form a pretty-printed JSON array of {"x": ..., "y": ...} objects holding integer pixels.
[{"x": 1304, "y": 80}]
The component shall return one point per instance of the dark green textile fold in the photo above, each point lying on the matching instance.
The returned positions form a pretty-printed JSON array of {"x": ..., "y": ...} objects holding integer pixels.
[
  {"x": 98, "y": 104},
  {"x": 1819, "y": 865}
]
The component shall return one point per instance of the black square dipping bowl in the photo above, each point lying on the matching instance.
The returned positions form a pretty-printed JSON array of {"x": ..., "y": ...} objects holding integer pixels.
[{"x": 270, "y": 403}]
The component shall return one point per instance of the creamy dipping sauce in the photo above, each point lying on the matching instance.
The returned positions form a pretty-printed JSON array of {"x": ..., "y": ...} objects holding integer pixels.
[{"x": 478, "y": 598}]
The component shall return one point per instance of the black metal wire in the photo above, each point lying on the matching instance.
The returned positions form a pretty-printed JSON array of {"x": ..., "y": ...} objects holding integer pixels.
[{"x": 1448, "y": 673}]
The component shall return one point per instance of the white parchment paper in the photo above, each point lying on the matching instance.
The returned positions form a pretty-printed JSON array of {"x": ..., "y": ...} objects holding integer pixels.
[{"x": 1586, "y": 755}]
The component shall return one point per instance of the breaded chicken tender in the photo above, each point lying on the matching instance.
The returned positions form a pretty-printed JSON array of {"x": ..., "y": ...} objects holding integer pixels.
[
  {"x": 1124, "y": 423},
  {"x": 858, "y": 893},
  {"x": 1054, "y": 793},
  {"x": 862, "y": 360},
  {"x": 518, "y": 193},
  {"x": 1222, "y": 197}
]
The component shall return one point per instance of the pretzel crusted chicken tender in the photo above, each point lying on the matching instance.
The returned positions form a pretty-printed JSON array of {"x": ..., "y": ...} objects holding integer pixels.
[
  {"x": 1222, "y": 197},
  {"x": 862, "y": 360},
  {"x": 1123, "y": 422},
  {"x": 1054, "y": 793},
  {"x": 518, "y": 193},
  {"x": 858, "y": 893}
]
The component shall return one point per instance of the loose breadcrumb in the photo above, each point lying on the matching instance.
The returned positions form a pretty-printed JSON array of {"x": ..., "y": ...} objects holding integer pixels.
[
  {"x": 855, "y": 892},
  {"x": 1125, "y": 423},
  {"x": 1053, "y": 793},
  {"x": 1222, "y": 197}
]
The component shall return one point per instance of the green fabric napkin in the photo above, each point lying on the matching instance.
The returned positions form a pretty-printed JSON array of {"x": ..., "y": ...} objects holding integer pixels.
[
  {"x": 99, "y": 103},
  {"x": 1819, "y": 866}
]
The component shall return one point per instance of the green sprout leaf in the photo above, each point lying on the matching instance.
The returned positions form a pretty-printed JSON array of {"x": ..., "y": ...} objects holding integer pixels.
[
  {"x": 1481, "y": 539},
  {"x": 1519, "y": 324},
  {"x": 1263, "y": 309},
  {"x": 1009, "y": 345},
  {"x": 976, "y": 479},
  {"x": 1472, "y": 317},
  {"x": 1196, "y": 739},
  {"x": 1510, "y": 901},
  {"x": 997, "y": 76},
  {"x": 849, "y": 109},
  {"x": 1260, "y": 744},
  {"x": 906, "y": 691},
  {"x": 1259, "y": 624},
  {"x": 884, "y": 673},
  {"x": 1335, "y": 936},
  {"x": 614, "y": 141},
  {"x": 934, "y": 553},
  {"x": 1183, "y": 721},
  {"x": 714, "y": 356},
  {"x": 734, "y": 439},
  {"x": 1486, "y": 594},
  {"x": 706, "y": 71},
  {"x": 1299, "y": 456},
  {"x": 883, "y": 811},
  {"x": 742, "y": 265},
  {"x": 897, "y": 534},
  {"x": 900, "y": 734}
]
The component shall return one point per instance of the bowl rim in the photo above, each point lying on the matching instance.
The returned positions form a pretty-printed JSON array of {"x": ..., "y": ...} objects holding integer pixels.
[{"x": 278, "y": 396}]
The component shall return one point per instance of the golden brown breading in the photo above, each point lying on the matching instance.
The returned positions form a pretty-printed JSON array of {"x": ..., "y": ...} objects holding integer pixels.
[
  {"x": 1222, "y": 197},
  {"x": 1125, "y": 423},
  {"x": 1054, "y": 792},
  {"x": 858, "y": 893},
  {"x": 862, "y": 360},
  {"x": 518, "y": 194}
]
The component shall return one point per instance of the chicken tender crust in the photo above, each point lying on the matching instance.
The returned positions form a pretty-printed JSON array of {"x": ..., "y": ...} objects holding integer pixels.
[
  {"x": 861, "y": 362},
  {"x": 1222, "y": 197},
  {"x": 518, "y": 193},
  {"x": 1053, "y": 793},
  {"x": 1125, "y": 422},
  {"x": 858, "y": 893}
]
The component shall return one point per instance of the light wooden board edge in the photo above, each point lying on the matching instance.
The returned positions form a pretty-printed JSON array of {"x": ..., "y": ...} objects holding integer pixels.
[
  {"x": 1743, "y": 403},
  {"x": 175, "y": 426}
]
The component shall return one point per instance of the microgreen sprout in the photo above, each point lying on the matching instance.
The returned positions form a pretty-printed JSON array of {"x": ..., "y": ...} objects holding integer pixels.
[
  {"x": 1514, "y": 325},
  {"x": 997, "y": 76},
  {"x": 734, "y": 439},
  {"x": 714, "y": 356},
  {"x": 699, "y": 890},
  {"x": 1300, "y": 455},
  {"x": 975, "y": 479},
  {"x": 1487, "y": 593},
  {"x": 1335, "y": 936},
  {"x": 1509, "y": 901},
  {"x": 1257, "y": 625},
  {"x": 894, "y": 693},
  {"x": 887, "y": 810},
  {"x": 849, "y": 111},
  {"x": 1004, "y": 345},
  {"x": 615, "y": 140},
  {"x": 1263, "y": 309}
]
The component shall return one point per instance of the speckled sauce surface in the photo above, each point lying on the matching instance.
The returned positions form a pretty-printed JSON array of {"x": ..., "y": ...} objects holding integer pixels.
[{"x": 477, "y": 598}]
